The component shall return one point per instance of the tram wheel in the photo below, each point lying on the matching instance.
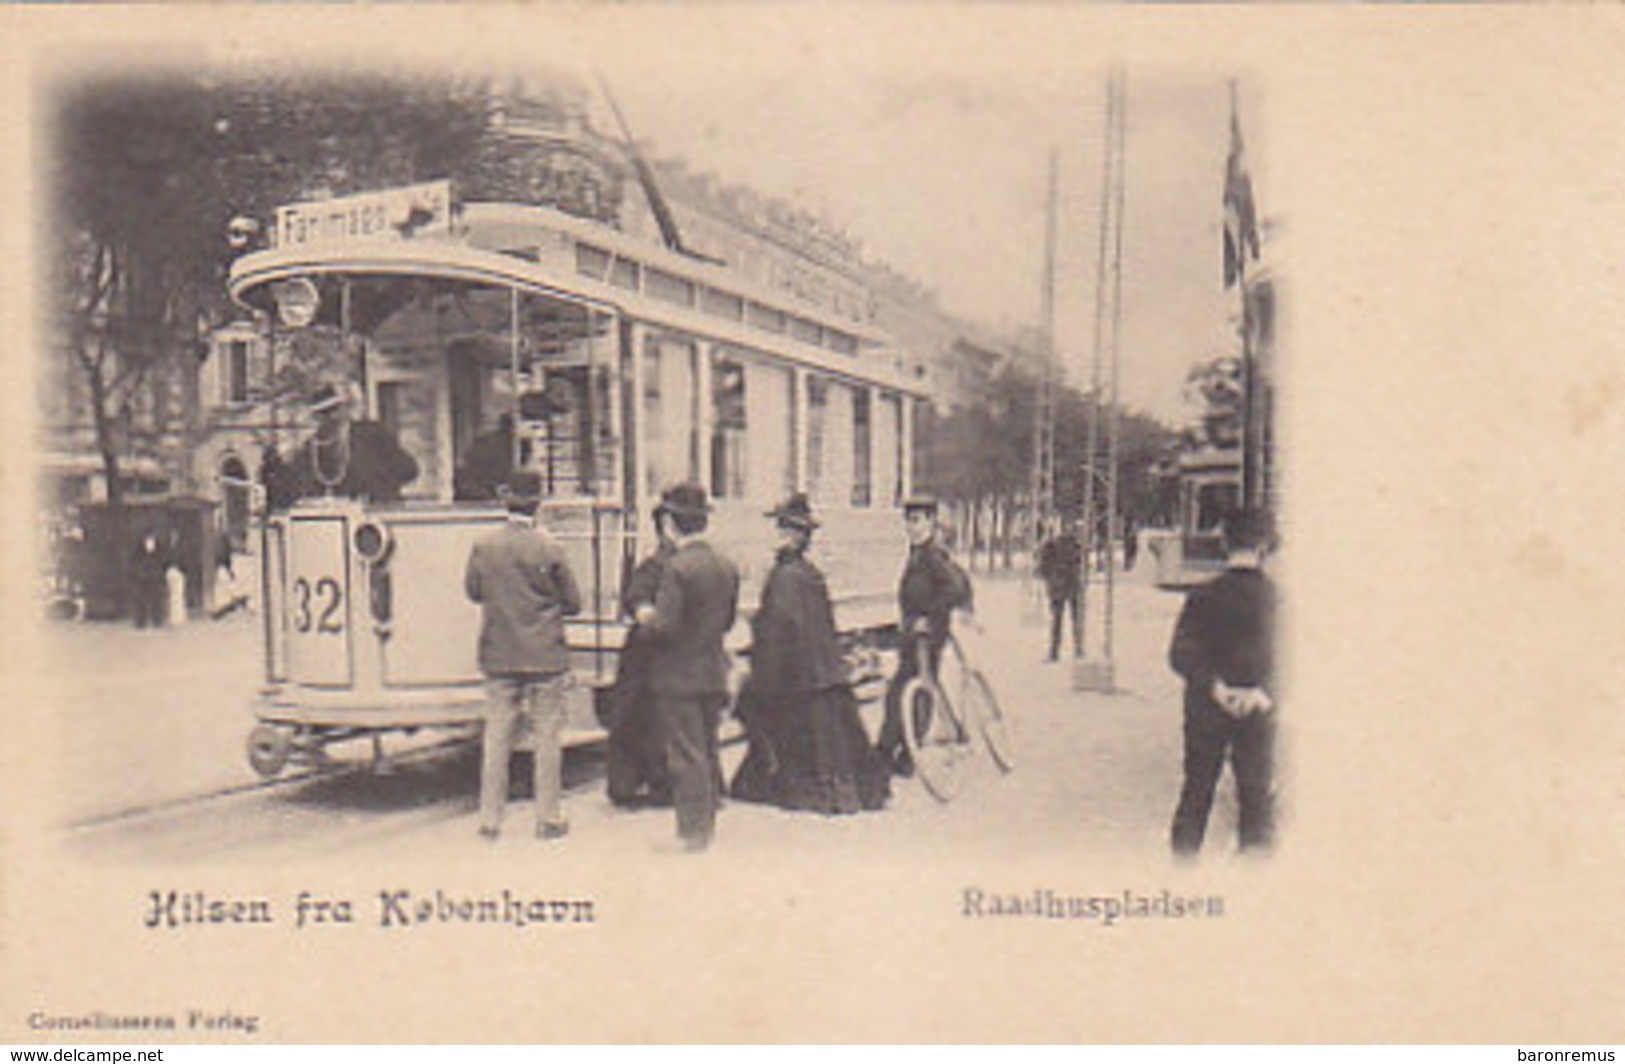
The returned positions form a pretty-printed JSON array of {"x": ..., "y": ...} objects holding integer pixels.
[{"x": 269, "y": 749}]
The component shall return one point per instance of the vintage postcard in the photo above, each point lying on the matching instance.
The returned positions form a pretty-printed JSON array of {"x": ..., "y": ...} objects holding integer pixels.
[{"x": 881, "y": 523}]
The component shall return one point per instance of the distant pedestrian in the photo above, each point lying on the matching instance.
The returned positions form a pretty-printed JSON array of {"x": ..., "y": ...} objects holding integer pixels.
[
  {"x": 1223, "y": 646},
  {"x": 1060, "y": 566},
  {"x": 1131, "y": 543},
  {"x": 693, "y": 610},
  {"x": 230, "y": 593},
  {"x": 175, "y": 591},
  {"x": 808, "y": 750},
  {"x": 635, "y": 753},
  {"x": 149, "y": 586},
  {"x": 525, "y": 589},
  {"x": 931, "y": 588}
]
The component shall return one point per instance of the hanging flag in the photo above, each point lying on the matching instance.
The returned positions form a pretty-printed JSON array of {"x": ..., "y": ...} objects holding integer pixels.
[{"x": 1240, "y": 215}]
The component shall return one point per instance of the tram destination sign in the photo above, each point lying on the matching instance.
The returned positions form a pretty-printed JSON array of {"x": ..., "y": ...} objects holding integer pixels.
[{"x": 413, "y": 210}]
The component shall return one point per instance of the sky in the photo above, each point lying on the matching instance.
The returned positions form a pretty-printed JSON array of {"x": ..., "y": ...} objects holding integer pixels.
[{"x": 940, "y": 170}]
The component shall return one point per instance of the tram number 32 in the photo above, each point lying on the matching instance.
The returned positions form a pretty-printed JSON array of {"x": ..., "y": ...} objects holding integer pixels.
[{"x": 316, "y": 607}]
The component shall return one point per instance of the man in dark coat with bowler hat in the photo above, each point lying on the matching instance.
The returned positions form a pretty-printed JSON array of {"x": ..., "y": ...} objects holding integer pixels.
[{"x": 693, "y": 610}]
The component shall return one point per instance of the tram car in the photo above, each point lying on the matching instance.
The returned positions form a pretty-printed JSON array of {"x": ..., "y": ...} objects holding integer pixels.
[
  {"x": 1208, "y": 485},
  {"x": 610, "y": 366}
]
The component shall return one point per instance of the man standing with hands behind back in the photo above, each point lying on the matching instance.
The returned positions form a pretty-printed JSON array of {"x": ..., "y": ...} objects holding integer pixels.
[
  {"x": 693, "y": 610},
  {"x": 1223, "y": 647}
]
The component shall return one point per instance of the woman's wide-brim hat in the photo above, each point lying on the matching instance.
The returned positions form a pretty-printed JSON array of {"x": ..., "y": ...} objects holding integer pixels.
[
  {"x": 686, "y": 499},
  {"x": 523, "y": 486},
  {"x": 795, "y": 512}
]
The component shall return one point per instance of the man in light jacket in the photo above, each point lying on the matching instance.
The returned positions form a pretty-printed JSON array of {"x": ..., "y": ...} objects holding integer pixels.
[{"x": 519, "y": 577}]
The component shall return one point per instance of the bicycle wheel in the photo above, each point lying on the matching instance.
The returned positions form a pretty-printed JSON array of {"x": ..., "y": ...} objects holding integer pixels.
[
  {"x": 936, "y": 743},
  {"x": 983, "y": 704}
]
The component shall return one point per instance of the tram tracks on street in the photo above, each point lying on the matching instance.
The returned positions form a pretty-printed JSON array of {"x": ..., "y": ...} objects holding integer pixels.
[
  {"x": 333, "y": 770},
  {"x": 587, "y": 775}
]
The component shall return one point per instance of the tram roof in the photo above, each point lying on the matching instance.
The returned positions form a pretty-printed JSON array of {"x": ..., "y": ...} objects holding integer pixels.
[
  {"x": 537, "y": 249},
  {"x": 1211, "y": 460}
]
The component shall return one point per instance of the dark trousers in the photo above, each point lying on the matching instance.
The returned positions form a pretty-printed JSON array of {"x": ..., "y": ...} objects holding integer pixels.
[
  {"x": 1210, "y": 733},
  {"x": 693, "y": 760},
  {"x": 635, "y": 752},
  {"x": 149, "y": 600},
  {"x": 1057, "y": 609}
]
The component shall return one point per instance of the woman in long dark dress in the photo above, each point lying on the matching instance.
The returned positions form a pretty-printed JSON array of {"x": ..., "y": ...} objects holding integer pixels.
[{"x": 808, "y": 750}]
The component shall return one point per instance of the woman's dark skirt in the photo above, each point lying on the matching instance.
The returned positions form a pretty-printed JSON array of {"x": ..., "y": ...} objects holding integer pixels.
[{"x": 809, "y": 752}]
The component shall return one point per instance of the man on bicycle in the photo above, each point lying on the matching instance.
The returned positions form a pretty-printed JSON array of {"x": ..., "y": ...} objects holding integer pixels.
[{"x": 931, "y": 588}]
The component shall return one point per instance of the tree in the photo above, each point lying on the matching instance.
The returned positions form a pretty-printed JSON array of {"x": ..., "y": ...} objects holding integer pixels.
[
  {"x": 149, "y": 171},
  {"x": 137, "y": 255},
  {"x": 981, "y": 456}
]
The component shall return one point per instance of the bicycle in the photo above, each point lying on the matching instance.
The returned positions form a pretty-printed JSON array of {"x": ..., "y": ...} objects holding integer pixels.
[{"x": 941, "y": 731}]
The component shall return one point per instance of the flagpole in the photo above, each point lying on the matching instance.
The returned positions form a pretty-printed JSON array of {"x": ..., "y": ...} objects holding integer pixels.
[
  {"x": 1251, "y": 494},
  {"x": 1043, "y": 469},
  {"x": 1113, "y": 429},
  {"x": 1092, "y": 674}
]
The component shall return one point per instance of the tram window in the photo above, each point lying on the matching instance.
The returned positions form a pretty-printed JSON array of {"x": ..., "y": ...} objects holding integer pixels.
[
  {"x": 889, "y": 434},
  {"x": 817, "y": 414},
  {"x": 668, "y": 412},
  {"x": 651, "y": 409},
  {"x": 670, "y": 288},
  {"x": 728, "y": 429},
  {"x": 807, "y": 331},
  {"x": 592, "y": 262},
  {"x": 861, "y": 448},
  {"x": 841, "y": 343},
  {"x": 792, "y": 432},
  {"x": 389, "y": 406},
  {"x": 722, "y": 304},
  {"x": 624, "y": 274},
  {"x": 838, "y": 475},
  {"x": 565, "y": 436},
  {"x": 1213, "y": 501},
  {"x": 573, "y": 443},
  {"x": 764, "y": 317},
  {"x": 771, "y": 435}
]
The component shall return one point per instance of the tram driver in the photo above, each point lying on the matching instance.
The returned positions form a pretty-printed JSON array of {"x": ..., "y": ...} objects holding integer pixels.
[{"x": 356, "y": 459}]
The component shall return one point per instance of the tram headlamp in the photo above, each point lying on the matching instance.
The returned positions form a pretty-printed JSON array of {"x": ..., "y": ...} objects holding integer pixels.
[
  {"x": 372, "y": 542},
  {"x": 241, "y": 232}
]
